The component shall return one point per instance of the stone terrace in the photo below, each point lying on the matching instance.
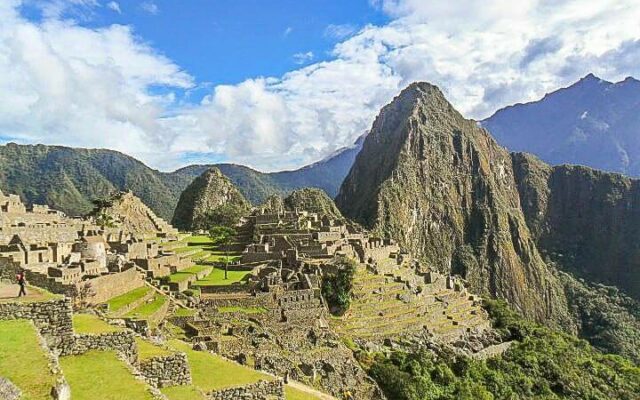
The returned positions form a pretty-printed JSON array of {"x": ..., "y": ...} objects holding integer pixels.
[{"x": 389, "y": 306}]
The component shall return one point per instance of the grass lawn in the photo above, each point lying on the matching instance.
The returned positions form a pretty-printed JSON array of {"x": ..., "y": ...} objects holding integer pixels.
[
  {"x": 216, "y": 278},
  {"x": 221, "y": 257},
  {"x": 246, "y": 310},
  {"x": 148, "y": 350},
  {"x": 124, "y": 300},
  {"x": 291, "y": 393},
  {"x": 189, "y": 392},
  {"x": 87, "y": 323},
  {"x": 186, "y": 273},
  {"x": 199, "y": 239},
  {"x": 19, "y": 347},
  {"x": 148, "y": 308},
  {"x": 100, "y": 375},
  {"x": 210, "y": 372},
  {"x": 184, "y": 312}
]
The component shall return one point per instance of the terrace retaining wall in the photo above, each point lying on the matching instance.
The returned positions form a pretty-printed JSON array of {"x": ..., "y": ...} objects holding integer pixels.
[
  {"x": 261, "y": 390},
  {"x": 163, "y": 371}
]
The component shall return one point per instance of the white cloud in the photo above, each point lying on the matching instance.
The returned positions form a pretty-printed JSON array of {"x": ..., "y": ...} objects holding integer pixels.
[
  {"x": 64, "y": 84},
  {"x": 340, "y": 32},
  {"x": 114, "y": 6},
  {"x": 61, "y": 83},
  {"x": 150, "y": 7},
  {"x": 56, "y": 9},
  {"x": 287, "y": 31},
  {"x": 303, "y": 58}
]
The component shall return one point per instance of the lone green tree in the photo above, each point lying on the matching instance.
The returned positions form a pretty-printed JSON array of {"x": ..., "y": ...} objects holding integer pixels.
[
  {"x": 222, "y": 236},
  {"x": 337, "y": 285}
]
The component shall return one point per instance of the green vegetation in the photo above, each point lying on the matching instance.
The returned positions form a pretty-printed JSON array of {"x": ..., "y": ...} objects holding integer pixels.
[
  {"x": 222, "y": 236},
  {"x": 337, "y": 285},
  {"x": 100, "y": 374},
  {"x": 69, "y": 179},
  {"x": 312, "y": 199},
  {"x": 246, "y": 310},
  {"x": 608, "y": 318},
  {"x": 199, "y": 239},
  {"x": 117, "y": 303},
  {"x": 184, "y": 312},
  {"x": 23, "y": 361},
  {"x": 542, "y": 364},
  {"x": 292, "y": 393},
  {"x": 225, "y": 215},
  {"x": 149, "y": 308},
  {"x": 210, "y": 372},
  {"x": 148, "y": 350},
  {"x": 187, "y": 392},
  {"x": 216, "y": 278},
  {"x": 187, "y": 273},
  {"x": 91, "y": 324}
]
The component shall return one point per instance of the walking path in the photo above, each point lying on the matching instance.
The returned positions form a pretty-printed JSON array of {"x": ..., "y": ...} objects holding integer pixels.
[
  {"x": 9, "y": 292},
  {"x": 309, "y": 390}
]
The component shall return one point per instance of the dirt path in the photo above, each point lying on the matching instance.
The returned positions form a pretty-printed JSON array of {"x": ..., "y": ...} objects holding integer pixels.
[
  {"x": 309, "y": 390},
  {"x": 9, "y": 292}
]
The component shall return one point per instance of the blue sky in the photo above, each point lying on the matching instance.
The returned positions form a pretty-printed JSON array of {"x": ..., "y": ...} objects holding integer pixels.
[
  {"x": 228, "y": 41},
  {"x": 280, "y": 84}
]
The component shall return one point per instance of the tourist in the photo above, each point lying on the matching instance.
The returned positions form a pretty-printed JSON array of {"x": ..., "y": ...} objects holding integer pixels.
[{"x": 22, "y": 281}]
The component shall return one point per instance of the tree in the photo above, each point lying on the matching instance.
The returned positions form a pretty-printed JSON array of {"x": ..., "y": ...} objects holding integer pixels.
[
  {"x": 337, "y": 286},
  {"x": 222, "y": 236},
  {"x": 224, "y": 215}
]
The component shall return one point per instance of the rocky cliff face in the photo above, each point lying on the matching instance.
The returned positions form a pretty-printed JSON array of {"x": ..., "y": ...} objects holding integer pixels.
[
  {"x": 204, "y": 195},
  {"x": 586, "y": 221},
  {"x": 443, "y": 188}
]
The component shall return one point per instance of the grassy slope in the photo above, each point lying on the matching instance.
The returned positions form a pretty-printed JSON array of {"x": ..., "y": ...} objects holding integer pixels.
[
  {"x": 216, "y": 278},
  {"x": 210, "y": 372},
  {"x": 148, "y": 350},
  {"x": 100, "y": 375},
  {"x": 121, "y": 301},
  {"x": 148, "y": 308},
  {"x": 87, "y": 323},
  {"x": 23, "y": 361}
]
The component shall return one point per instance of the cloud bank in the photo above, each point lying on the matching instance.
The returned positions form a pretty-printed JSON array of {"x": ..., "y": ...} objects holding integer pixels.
[{"x": 66, "y": 84}]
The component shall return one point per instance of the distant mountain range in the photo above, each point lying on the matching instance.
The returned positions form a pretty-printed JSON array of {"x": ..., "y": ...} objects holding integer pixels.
[
  {"x": 592, "y": 122},
  {"x": 70, "y": 178}
]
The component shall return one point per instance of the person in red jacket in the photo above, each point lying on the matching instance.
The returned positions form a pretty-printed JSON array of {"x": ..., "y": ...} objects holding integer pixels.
[{"x": 22, "y": 281}]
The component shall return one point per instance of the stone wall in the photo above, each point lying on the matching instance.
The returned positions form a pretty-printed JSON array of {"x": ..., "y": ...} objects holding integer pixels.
[
  {"x": 51, "y": 318},
  {"x": 261, "y": 390},
  {"x": 40, "y": 234},
  {"x": 112, "y": 285},
  {"x": 166, "y": 371},
  {"x": 122, "y": 342},
  {"x": 8, "y": 391},
  {"x": 233, "y": 288}
]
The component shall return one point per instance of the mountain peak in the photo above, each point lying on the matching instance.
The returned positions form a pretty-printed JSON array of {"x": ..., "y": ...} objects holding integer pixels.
[
  {"x": 435, "y": 182},
  {"x": 590, "y": 79}
]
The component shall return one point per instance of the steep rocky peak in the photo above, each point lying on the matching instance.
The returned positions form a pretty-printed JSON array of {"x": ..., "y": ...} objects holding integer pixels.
[
  {"x": 419, "y": 101},
  {"x": 207, "y": 194}
]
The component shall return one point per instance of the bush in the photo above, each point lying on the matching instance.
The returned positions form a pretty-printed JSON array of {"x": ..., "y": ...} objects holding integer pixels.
[
  {"x": 338, "y": 285},
  {"x": 543, "y": 364}
]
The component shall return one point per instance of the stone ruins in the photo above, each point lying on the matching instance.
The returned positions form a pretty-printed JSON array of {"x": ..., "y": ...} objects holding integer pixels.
[
  {"x": 275, "y": 319},
  {"x": 80, "y": 258}
]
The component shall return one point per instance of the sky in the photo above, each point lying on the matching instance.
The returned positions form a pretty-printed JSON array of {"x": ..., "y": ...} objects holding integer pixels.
[{"x": 280, "y": 84}]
